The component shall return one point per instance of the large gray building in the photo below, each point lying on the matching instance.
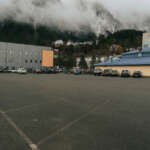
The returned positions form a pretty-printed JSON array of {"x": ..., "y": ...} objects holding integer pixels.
[{"x": 15, "y": 56}]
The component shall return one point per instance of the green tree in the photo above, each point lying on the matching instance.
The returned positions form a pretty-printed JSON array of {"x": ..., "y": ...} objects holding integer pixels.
[
  {"x": 69, "y": 62},
  {"x": 59, "y": 61},
  {"x": 93, "y": 61},
  {"x": 83, "y": 64}
]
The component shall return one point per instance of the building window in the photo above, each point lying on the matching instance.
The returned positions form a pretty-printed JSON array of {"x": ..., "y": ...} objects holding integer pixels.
[
  {"x": 26, "y": 61},
  {"x": 35, "y": 61},
  {"x": 31, "y": 61},
  {"x": 40, "y": 61}
]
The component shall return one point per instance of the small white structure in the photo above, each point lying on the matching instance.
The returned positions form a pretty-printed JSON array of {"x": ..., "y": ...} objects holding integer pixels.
[
  {"x": 78, "y": 43},
  {"x": 59, "y": 43},
  {"x": 69, "y": 43},
  {"x": 146, "y": 39}
]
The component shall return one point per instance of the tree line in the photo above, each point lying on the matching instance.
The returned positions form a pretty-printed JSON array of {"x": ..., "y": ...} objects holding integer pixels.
[{"x": 17, "y": 32}]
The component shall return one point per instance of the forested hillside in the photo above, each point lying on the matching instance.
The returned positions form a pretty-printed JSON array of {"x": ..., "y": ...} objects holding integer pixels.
[
  {"x": 15, "y": 32},
  {"x": 11, "y": 31}
]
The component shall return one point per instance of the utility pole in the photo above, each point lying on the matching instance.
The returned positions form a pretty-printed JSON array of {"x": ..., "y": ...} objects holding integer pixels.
[{"x": 6, "y": 55}]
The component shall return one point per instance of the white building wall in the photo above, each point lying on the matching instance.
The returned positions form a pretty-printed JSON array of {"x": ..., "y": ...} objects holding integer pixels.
[
  {"x": 146, "y": 40},
  {"x": 20, "y": 55}
]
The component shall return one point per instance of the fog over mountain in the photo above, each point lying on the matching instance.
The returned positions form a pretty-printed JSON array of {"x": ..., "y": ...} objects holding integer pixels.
[{"x": 98, "y": 16}]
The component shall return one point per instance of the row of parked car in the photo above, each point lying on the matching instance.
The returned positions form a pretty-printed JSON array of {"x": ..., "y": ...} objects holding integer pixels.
[
  {"x": 25, "y": 71},
  {"x": 110, "y": 72},
  {"x": 19, "y": 70}
]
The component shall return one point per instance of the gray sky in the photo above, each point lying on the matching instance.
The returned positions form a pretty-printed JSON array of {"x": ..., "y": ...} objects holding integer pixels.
[{"x": 74, "y": 14}]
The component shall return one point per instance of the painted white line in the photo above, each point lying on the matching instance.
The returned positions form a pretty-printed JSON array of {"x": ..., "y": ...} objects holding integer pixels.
[
  {"x": 19, "y": 131},
  {"x": 69, "y": 124},
  {"x": 25, "y": 107}
]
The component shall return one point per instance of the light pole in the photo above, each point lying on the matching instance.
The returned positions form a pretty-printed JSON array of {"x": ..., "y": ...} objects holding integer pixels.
[{"x": 6, "y": 55}]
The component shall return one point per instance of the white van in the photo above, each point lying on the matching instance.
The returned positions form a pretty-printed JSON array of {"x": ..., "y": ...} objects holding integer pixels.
[{"x": 21, "y": 71}]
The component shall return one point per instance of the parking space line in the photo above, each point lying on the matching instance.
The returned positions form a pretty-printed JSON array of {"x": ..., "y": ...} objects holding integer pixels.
[
  {"x": 27, "y": 106},
  {"x": 42, "y": 141},
  {"x": 19, "y": 131},
  {"x": 24, "y": 107}
]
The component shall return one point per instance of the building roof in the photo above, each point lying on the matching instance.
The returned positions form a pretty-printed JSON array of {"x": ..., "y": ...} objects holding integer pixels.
[
  {"x": 134, "y": 60},
  {"x": 25, "y": 45}
]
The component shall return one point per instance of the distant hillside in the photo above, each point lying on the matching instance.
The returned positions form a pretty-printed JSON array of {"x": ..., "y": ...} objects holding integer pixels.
[
  {"x": 15, "y": 32},
  {"x": 11, "y": 31},
  {"x": 125, "y": 38}
]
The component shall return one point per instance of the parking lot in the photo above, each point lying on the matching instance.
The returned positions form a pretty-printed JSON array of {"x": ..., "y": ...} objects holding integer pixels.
[{"x": 68, "y": 112}]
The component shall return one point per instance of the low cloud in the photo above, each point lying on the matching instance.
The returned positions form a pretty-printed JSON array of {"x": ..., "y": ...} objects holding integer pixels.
[{"x": 79, "y": 15}]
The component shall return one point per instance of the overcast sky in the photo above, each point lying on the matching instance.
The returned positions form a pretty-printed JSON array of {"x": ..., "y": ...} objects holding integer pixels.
[
  {"x": 127, "y": 8},
  {"x": 71, "y": 14}
]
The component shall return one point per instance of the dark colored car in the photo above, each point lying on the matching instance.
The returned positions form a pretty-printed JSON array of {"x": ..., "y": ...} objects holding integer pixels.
[
  {"x": 38, "y": 71},
  {"x": 107, "y": 72},
  {"x": 48, "y": 71},
  {"x": 1, "y": 71},
  {"x": 114, "y": 73},
  {"x": 5, "y": 70},
  {"x": 67, "y": 71},
  {"x": 125, "y": 73},
  {"x": 137, "y": 74}
]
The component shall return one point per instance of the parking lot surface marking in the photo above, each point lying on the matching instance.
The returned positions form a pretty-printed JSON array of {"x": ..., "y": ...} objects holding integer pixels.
[
  {"x": 42, "y": 141},
  {"x": 24, "y": 107},
  {"x": 19, "y": 131}
]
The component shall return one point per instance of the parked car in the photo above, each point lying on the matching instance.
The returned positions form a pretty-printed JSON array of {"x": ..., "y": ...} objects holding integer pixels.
[
  {"x": 13, "y": 71},
  {"x": 22, "y": 71},
  {"x": 5, "y": 70},
  {"x": 107, "y": 72},
  {"x": 77, "y": 72},
  {"x": 59, "y": 70},
  {"x": 137, "y": 74},
  {"x": 114, "y": 73},
  {"x": 38, "y": 71},
  {"x": 1, "y": 71},
  {"x": 67, "y": 71},
  {"x": 49, "y": 71},
  {"x": 98, "y": 72},
  {"x": 125, "y": 73}
]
